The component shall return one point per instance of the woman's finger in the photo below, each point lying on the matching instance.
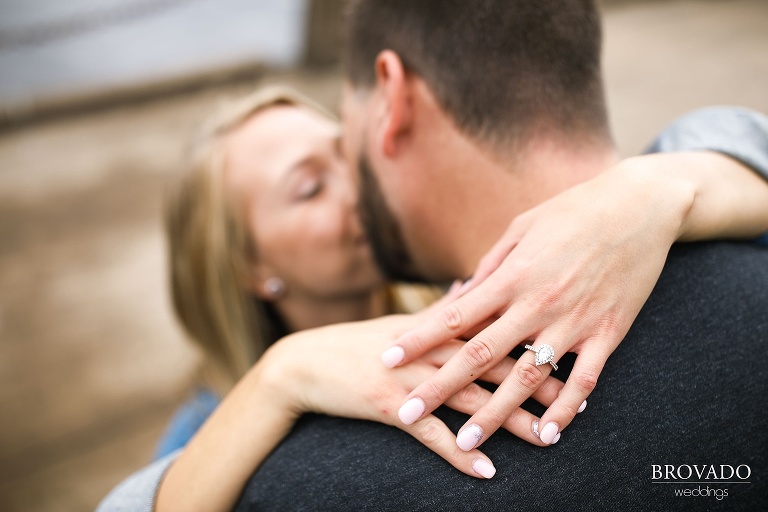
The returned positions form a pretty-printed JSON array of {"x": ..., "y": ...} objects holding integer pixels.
[
  {"x": 470, "y": 399},
  {"x": 498, "y": 253},
  {"x": 573, "y": 397},
  {"x": 435, "y": 435},
  {"x": 545, "y": 394},
  {"x": 446, "y": 324},
  {"x": 476, "y": 357},
  {"x": 524, "y": 379}
]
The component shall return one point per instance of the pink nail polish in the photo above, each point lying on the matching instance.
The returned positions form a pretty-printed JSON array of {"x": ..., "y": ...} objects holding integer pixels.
[
  {"x": 582, "y": 406},
  {"x": 549, "y": 432},
  {"x": 484, "y": 468},
  {"x": 556, "y": 439},
  {"x": 469, "y": 437},
  {"x": 393, "y": 356},
  {"x": 411, "y": 410}
]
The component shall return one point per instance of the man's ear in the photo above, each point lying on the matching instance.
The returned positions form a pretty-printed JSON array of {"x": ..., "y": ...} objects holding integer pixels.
[{"x": 397, "y": 112}]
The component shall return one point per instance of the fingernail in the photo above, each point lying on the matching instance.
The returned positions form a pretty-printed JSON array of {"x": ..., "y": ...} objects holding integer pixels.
[
  {"x": 465, "y": 286},
  {"x": 469, "y": 437},
  {"x": 484, "y": 468},
  {"x": 556, "y": 439},
  {"x": 535, "y": 427},
  {"x": 549, "y": 432},
  {"x": 393, "y": 356},
  {"x": 582, "y": 406},
  {"x": 411, "y": 410}
]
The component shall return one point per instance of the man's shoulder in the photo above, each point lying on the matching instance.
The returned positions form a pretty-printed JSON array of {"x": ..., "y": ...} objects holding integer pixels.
[
  {"x": 716, "y": 289},
  {"x": 714, "y": 271},
  {"x": 709, "y": 309}
]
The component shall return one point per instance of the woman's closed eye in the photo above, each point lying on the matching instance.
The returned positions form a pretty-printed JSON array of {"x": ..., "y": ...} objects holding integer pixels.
[{"x": 308, "y": 187}]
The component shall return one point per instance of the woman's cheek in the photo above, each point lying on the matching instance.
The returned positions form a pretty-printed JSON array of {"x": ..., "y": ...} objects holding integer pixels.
[{"x": 329, "y": 227}]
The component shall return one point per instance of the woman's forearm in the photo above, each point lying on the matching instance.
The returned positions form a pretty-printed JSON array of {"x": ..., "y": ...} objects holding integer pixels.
[
  {"x": 720, "y": 197},
  {"x": 731, "y": 201},
  {"x": 231, "y": 445},
  {"x": 732, "y": 148}
]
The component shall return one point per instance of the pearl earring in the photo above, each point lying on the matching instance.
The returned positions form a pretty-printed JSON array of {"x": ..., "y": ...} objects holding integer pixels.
[{"x": 274, "y": 288}]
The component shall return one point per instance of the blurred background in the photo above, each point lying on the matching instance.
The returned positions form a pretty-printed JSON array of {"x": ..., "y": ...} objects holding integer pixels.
[{"x": 98, "y": 97}]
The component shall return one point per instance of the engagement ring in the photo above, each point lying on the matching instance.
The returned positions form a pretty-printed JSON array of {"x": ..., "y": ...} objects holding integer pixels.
[{"x": 544, "y": 354}]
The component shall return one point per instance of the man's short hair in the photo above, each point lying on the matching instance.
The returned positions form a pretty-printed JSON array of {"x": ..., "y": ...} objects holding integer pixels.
[{"x": 503, "y": 69}]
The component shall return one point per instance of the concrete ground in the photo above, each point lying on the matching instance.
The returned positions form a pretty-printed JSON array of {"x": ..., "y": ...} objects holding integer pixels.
[{"x": 92, "y": 362}]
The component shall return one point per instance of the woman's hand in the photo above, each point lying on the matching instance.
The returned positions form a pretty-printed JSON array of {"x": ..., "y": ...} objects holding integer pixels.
[
  {"x": 333, "y": 370},
  {"x": 574, "y": 272},
  {"x": 336, "y": 370}
]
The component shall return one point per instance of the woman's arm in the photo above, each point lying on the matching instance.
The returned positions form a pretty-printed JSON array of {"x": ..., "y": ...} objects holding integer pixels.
[
  {"x": 333, "y": 370},
  {"x": 739, "y": 134},
  {"x": 249, "y": 423},
  {"x": 725, "y": 155},
  {"x": 208, "y": 474},
  {"x": 577, "y": 269}
]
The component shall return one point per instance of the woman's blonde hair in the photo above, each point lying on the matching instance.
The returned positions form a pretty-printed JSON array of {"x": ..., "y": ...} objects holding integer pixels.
[{"x": 210, "y": 249}]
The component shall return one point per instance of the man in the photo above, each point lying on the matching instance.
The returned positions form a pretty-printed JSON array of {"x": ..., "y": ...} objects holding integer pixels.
[{"x": 447, "y": 160}]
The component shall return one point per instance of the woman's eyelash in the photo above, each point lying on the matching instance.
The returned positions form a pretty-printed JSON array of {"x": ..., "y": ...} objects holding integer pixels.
[{"x": 310, "y": 189}]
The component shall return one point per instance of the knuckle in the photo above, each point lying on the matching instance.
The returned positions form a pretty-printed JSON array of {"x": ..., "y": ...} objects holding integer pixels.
[
  {"x": 519, "y": 270},
  {"x": 430, "y": 432},
  {"x": 528, "y": 375},
  {"x": 480, "y": 352},
  {"x": 612, "y": 327},
  {"x": 567, "y": 411},
  {"x": 586, "y": 382},
  {"x": 471, "y": 394},
  {"x": 548, "y": 296},
  {"x": 437, "y": 390},
  {"x": 451, "y": 317},
  {"x": 494, "y": 417}
]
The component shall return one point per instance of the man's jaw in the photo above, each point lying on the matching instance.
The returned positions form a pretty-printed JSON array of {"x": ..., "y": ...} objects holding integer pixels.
[{"x": 383, "y": 230}]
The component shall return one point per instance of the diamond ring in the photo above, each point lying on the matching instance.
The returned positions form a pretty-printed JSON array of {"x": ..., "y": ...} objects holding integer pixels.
[{"x": 544, "y": 354}]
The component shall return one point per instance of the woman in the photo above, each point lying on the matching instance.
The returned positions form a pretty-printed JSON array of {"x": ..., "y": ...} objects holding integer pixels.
[
  {"x": 264, "y": 242},
  {"x": 267, "y": 172}
]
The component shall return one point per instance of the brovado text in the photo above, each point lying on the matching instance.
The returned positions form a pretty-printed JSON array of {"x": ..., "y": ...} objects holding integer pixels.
[{"x": 685, "y": 472}]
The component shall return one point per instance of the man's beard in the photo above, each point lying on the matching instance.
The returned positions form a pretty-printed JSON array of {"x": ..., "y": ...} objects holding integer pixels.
[{"x": 382, "y": 229}]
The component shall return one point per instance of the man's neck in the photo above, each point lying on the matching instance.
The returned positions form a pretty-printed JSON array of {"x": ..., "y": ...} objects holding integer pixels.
[
  {"x": 465, "y": 192},
  {"x": 503, "y": 187}
]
